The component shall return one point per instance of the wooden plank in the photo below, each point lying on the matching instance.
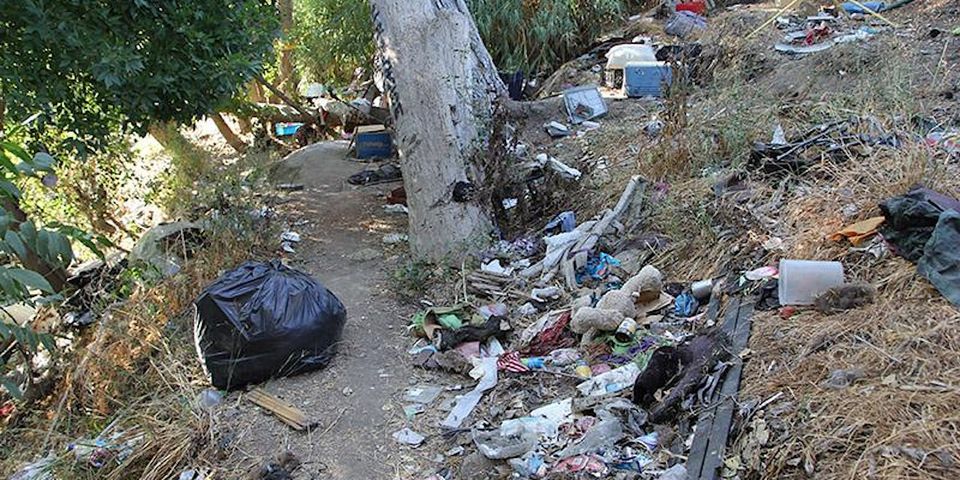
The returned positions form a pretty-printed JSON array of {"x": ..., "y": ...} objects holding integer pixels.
[
  {"x": 285, "y": 412},
  {"x": 705, "y": 421},
  {"x": 722, "y": 417}
]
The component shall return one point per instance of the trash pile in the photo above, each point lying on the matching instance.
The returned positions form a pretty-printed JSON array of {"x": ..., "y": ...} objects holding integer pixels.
[
  {"x": 821, "y": 32},
  {"x": 582, "y": 363},
  {"x": 586, "y": 361}
]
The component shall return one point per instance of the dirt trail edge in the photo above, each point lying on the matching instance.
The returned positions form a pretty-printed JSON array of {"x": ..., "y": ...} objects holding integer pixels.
[{"x": 354, "y": 398}]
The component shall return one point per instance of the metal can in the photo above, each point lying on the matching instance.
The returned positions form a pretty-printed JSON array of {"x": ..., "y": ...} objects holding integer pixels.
[
  {"x": 626, "y": 330},
  {"x": 701, "y": 290}
]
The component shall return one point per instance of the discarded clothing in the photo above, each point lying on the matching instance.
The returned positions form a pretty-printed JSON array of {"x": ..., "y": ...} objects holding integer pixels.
[
  {"x": 553, "y": 337},
  {"x": 384, "y": 174},
  {"x": 858, "y": 7},
  {"x": 510, "y": 362},
  {"x": 686, "y": 305},
  {"x": 858, "y": 232},
  {"x": 911, "y": 219},
  {"x": 598, "y": 267},
  {"x": 940, "y": 262}
]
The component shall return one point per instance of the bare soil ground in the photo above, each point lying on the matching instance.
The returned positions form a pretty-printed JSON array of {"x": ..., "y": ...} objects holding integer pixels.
[{"x": 354, "y": 398}]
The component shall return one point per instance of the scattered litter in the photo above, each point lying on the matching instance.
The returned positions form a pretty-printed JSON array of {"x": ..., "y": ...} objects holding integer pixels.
[
  {"x": 424, "y": 394},
  {"x": 686, "y": 305},
  {"x": 584, "y": 103},
  {"x": 285, "y": 412},
  {"x": 564, "y": 222},
  {"x": 496, "y": 268},
  {"x": 39, "y": 470},
  {"x": 290, "y": 187},
  {"x": 412, "y": 410},
  {"x": 395, "y": 238},
  {"x": 557, "y": 130},
  {"x": 923, "y": 226},
  {"x": 761, "y": 273},
  {"x": 408, "y": 437},
  {"x": 209, "y": 398},
  {"x": 685, "y": 24},
  {"x": 497, "y": 445},
  {"x": 384, "y": 174},
  {"x": 545, "y": 294},
  {"x": 611, "y": 382},
  {"x": 466, "y": 404},
  {"x": 396, "y": 208}
]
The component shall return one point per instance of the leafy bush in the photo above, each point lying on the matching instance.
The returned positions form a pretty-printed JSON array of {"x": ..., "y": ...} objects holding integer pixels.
[
  {"x": 540, "y": 35},
  {"x": 334, "y": 37}
]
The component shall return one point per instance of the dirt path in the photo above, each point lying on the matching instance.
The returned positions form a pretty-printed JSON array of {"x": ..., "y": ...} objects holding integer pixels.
[{"x": 355, "y": 399}]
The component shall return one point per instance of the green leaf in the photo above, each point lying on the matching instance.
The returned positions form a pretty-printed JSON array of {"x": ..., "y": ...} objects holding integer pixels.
[
  {"x": 10, "y": 189},
  {"x": 16, "y": 243},
  {"x": 11, "y": 387},
  {"x": 43, "y": 161},
  {"x": 15, "y": 150},
  {"x": 9, "y": 287},
  {"x": 28, "y": 232},
  {"x": 30, "y": 279},
  {"x": 48, "y": 343},
  {"x": 4, "y": 331}
]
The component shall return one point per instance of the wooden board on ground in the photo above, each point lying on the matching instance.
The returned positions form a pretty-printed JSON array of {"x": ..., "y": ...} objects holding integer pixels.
[
  {"x": 713, "y": 426},
  {"x": 288, "y": 414}
]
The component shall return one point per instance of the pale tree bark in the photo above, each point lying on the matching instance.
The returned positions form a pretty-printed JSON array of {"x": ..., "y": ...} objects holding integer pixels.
[
  {"x": 287, "y": 74},
  {"x": 443, "y": 90}
]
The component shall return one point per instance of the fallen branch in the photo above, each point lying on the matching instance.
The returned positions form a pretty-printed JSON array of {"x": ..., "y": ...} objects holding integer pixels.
[{"x": 282, "y": 96}]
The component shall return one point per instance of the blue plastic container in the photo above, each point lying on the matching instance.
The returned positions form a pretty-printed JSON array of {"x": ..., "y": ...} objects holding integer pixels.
[
  {"x": 286, "y": 129},
  {"x": 374, "y": 145},
  {"x": 647, "y": 79}
]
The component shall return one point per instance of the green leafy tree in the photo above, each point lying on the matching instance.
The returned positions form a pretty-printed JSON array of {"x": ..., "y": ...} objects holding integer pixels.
[{"x": 95, "y": 68}]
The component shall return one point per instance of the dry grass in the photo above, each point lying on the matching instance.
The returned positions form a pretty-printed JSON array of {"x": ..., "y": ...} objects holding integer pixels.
[{"x": 136, "y": 371}]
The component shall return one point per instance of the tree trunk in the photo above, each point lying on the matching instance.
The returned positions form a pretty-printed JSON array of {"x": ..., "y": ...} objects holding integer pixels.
[
  {"x": 443, "y": 90},
  {"x": 232, "y": 139},
  {"x": 287, "y": 74}
]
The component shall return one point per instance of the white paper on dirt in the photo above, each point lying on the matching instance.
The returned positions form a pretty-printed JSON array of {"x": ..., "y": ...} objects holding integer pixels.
[{"x": 468, "y": 402}]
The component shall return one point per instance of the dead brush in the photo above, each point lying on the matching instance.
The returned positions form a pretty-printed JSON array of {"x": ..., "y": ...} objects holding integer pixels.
[
  {"x": 904, "y": 404},
  {"x": 137, "y": 372}
]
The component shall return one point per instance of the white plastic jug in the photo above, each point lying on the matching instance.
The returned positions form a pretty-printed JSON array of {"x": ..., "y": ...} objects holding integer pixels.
[{"x": 619, "y": 56}]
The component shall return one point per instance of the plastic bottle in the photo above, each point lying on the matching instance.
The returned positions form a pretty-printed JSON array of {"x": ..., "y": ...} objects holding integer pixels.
[{"x": 583, "y": 370}]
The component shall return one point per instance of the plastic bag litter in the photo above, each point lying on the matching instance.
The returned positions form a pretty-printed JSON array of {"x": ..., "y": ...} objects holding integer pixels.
[{"x": 264, "y": 320}]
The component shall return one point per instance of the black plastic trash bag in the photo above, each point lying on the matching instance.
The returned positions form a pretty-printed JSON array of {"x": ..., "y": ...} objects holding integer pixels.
[
  {"x": 911, "y": 219},
  {"x": 940, "y": 262},
  {"x": 265, "y": 320}
]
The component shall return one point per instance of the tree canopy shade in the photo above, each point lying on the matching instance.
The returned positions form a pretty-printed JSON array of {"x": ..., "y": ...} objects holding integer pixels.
[{"x": 93, "y": 68}]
